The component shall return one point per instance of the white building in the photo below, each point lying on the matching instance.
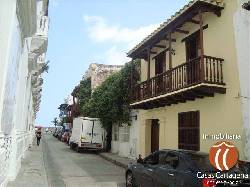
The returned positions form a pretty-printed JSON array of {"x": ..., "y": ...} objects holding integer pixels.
[
  {"x": 125, "y": 138},
  {"x": 242, "y": 38},
  {"x": 23, "y": 44}
]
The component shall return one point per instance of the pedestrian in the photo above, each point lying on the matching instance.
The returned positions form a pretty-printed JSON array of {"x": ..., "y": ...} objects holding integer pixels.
[{"x": 38, "y": 137}]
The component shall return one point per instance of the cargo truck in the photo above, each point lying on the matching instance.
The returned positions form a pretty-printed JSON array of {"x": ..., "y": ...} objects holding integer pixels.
[{"x": 87, "y": 134}]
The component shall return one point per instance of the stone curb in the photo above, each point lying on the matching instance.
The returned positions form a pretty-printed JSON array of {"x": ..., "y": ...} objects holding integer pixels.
[{"x": 113, "y": 160}]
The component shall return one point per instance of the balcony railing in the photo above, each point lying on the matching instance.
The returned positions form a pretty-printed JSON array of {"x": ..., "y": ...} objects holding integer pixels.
[{"x": 183, "y": 76}]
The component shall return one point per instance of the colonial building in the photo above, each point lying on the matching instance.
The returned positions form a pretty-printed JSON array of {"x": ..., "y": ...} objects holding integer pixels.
[
  {"x": 23, "y": 36},
  {"x": 194, "y": 81}
]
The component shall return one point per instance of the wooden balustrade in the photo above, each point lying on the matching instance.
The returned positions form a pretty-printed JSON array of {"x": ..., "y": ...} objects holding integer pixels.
[{"x": 182, "y": 76}]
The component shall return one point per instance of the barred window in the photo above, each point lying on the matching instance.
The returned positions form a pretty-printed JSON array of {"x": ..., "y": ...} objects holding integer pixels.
[{"x": 124, "y": 134}]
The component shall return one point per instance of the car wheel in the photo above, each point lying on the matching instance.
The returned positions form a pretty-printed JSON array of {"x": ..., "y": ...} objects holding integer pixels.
[{"x": 130, "y": 180}]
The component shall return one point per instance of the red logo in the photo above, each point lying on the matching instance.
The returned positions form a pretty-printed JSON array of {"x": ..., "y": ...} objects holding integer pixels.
[
  {"x": 223, "y": 155},
  {"x": 209, "y": 183}
]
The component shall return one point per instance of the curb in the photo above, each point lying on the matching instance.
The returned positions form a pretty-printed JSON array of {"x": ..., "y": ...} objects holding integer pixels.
[{"x": 113, "y": 161}]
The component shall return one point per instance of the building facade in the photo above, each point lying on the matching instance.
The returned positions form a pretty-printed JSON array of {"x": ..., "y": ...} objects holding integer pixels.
[
  {"x": 194, "y": 83},
  {"x": 24, "y": 36},
  {"x": 98, "y": 73},
  {"x": 125, "y": 139}
]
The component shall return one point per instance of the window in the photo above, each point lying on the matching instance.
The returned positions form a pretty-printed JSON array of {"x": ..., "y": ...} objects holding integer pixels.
[
  {"x": 124, "y": 134},
  {"x": 115, "y": 132},
  {"x": 152, "y": 159},
  {"x": 192, "y": 46},
  {"x": 189, "y": 130},
  {"x": 155, "y": 158},
  {"x": 171, "y": 160}
]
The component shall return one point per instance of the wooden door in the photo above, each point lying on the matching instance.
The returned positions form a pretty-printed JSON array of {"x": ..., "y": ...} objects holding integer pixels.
[
  {"x": 189, "y": 130},
  {"x": 160, "y": 67},
  {"x": 160, "y": 63},
  {"x": 155, "y": 135},
  {"x": 192, "y": 52}
]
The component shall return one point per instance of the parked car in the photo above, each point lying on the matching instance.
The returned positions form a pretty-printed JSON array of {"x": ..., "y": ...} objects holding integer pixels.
[
  {"x": 56, "y": 133},
  {"x": 173, "y": 168},
  {"x": 59, "y": 136}
]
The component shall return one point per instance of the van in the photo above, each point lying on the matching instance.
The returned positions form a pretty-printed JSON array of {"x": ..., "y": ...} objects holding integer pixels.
[{"x": 87, "y": 134}]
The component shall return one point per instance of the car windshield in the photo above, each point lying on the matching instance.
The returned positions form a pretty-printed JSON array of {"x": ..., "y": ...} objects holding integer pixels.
[{"x": 201, "y": 161}]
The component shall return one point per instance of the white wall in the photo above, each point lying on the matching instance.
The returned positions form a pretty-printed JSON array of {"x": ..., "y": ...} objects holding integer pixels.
[
  {"x": 7, "y": 45},
  {"x": 18, "y": 103},
  {"x": 129, "y": 148},
  {"x": 242, "y": 37}
]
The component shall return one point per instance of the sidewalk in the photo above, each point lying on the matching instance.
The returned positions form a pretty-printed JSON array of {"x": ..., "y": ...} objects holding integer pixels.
[
  {"x": 32, "y": 172},
  {"x": 114, "y": 158}
]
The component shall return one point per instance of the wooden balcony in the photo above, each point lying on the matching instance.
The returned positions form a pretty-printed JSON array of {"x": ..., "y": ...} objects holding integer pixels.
[{"x": 198, "y": 78}]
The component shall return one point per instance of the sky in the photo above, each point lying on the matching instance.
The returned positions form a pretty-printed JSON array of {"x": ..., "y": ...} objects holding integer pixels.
[{"x": 82, "y": 32}]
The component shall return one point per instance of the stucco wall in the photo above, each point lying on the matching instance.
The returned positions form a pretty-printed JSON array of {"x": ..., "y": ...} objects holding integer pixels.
[{"x": 242, "y": 38}]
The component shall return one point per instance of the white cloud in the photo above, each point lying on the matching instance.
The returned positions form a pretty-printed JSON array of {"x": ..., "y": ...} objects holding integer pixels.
[
  {"x": 100, "y": 31},
  {"x": 115, "y": 56}
]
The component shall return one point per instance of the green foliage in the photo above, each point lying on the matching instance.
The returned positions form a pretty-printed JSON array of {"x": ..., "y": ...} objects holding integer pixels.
[
  {"x": 110, "y": 101},
  {"x": 83, "y": 93}
]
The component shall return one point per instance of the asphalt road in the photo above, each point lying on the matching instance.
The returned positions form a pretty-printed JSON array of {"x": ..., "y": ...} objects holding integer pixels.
[{"x": 65, "y": 167}]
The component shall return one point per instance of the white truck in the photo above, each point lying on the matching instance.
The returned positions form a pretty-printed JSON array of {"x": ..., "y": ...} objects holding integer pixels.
[{"x": 87, "y": 134}]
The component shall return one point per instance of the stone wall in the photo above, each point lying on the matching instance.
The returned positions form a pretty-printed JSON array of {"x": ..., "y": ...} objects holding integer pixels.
[{"x": 99, "y": 73}]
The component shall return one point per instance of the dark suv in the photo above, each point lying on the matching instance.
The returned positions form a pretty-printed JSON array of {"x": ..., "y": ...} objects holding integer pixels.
[{"x": 175, "y": 168}]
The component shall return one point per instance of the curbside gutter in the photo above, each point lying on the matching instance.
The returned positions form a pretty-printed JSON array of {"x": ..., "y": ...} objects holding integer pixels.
[{"x": 110, "y": 158}]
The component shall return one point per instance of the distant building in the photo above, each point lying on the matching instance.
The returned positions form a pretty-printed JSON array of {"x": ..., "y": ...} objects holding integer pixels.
[
  {"x": 98, "y": 73},
  {"x": 24, "y": 39}
]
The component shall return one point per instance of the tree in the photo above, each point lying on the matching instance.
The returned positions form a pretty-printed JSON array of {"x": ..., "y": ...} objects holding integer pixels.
[
  {"x": 83, "y": 93},
  {"x": 110, "y": 101},
  {"x": 55, "y": 122}
]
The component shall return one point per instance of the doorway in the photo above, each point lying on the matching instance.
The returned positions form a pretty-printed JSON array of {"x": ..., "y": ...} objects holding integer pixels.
[
  {"x": 155, "y": 135},
  {"x": 160, "y": 67},
  {"x": 192, "y": 53}
]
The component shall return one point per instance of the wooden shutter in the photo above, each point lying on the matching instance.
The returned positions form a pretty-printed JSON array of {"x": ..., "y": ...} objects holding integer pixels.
[{"x": 189, "y": 130}]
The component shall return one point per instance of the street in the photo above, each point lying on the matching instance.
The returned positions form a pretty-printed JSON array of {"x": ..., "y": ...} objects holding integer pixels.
[{"x": 64, "y": 167}]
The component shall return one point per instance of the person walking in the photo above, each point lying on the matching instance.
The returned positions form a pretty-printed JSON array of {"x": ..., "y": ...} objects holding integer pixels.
[{"x": 38, "y": 137}]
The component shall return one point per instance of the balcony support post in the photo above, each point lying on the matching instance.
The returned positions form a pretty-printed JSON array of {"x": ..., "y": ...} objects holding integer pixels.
[
  {"x": 170, "y": 51},
  {"x": 202, "y": 76},
  {"x": 170, "y": 61},
  {"x": 148, "y": 80},
  {"x": 132, "y": 90},
  {"x": 148, "y": 58}
]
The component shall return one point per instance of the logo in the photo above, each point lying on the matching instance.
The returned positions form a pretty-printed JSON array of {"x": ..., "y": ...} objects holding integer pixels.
[
  {"x": 209, "y": 182},
  {"x": 223, "y": 155}
]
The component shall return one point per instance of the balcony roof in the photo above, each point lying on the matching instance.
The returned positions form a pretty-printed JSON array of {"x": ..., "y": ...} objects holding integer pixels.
[{"x": 175, "y": 20}]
